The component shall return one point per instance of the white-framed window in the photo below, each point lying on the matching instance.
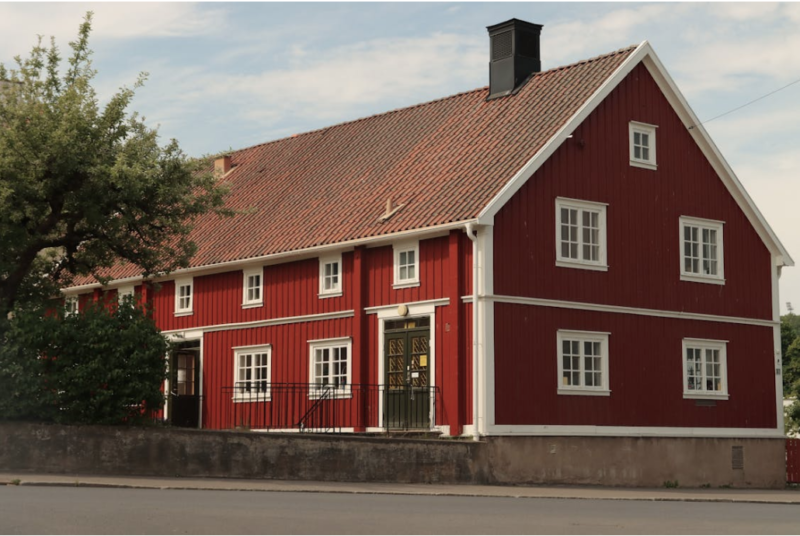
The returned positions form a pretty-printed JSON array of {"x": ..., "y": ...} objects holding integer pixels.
[
  {"x": 642, "y": 144},
  {"x": 406, "y": 264},
  {"x": 705, "y": 369},
  {"x": 330, "y": 276},
  {"x": 252, "y": 373},
  {"x": 71, "y": 305},
  {"x": 184, "y": 296},
  {"x": 583, "y": 363},
  {"x": 702, "y": 257},
  {"x": 253, "y": 287},
  {"x": 124, "y": 291},
  {"x": 330, "y": 367},
  {"x": 581, "y": 234}
]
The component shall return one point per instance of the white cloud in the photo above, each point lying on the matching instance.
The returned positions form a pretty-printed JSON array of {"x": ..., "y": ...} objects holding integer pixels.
[
  {"x": 747, "y": 11},
  {"x": 340, "y": 82},
  {"x": 20, "y": 23}
]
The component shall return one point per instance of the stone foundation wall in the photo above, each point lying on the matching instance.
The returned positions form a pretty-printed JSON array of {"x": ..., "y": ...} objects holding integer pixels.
[
  {"x": 638, "y": 461},
  {"x": 606, "y": 461}
]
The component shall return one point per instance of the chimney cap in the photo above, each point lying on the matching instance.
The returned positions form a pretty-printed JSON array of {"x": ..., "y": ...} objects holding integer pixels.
[{"x": 510, "y": 23}]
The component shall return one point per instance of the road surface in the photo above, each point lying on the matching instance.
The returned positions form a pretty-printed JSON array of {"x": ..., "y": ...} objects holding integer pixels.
[{"x": 84, "y": 510}]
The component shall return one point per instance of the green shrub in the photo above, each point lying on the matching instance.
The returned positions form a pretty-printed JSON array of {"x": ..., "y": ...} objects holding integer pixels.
[{"x": 105, "y": 365}]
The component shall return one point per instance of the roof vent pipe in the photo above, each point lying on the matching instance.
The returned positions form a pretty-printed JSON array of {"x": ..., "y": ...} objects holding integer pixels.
[{"x": 514, "y": 55}]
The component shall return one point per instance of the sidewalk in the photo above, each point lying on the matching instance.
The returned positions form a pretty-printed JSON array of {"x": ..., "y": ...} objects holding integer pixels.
[{"x": 532, "y": 492}]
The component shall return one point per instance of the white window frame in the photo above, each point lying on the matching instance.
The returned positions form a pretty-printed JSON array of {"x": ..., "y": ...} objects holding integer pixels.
[
  {"x": 127, "y": 290},
  {"x": 69, "y": 301},
  {"x": 643, "y": 128},
  {"x": 182, "y": 282},
  {"x": 247, "y": 274},
  {"x": 329, "y": 344},
  {"x": 583, "y": 336},
  {"x": 601, "y": 264},
  {"x": 257, "y": 395},
  {"x": 718, "y": 226},
  {"x": 398, "y": 250},
  {"x": 335, "y": 290},
  {"x": 703, "y": 345}
]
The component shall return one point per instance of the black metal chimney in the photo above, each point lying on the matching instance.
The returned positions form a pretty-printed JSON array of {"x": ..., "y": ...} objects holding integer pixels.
[{"x": 514, "y": 55}]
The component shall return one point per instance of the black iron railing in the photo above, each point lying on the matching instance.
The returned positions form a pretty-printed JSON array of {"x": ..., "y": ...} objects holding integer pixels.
[{"x": 323, "y": 408}]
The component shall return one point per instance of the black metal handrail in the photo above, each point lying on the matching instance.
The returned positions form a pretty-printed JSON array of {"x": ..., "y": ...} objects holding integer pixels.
[{"x": 323, "y": 408}]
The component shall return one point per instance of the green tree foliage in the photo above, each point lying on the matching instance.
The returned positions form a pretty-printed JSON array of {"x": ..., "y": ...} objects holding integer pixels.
[
  {"x": 790, "y": 352},
  {"x": 83, "y": 186},
  {"x": 105, "y": 365}
]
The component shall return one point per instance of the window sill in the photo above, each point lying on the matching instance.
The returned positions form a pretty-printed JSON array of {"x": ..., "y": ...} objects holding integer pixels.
[
  {"x": 252, "y": 305},
  {"x": 643, "y": 165},
  {"x": 705, "y": 396},
  {"x": 252, "y": 399},
  {"x": 585, "y": 392},
  {"x": 702, "y": 279},
  {"x": 184, "y": 313},
  {"x": 323, "y": 295},
  {"x": 582, "y": 266},
  {"x": 406, "y": 284}
]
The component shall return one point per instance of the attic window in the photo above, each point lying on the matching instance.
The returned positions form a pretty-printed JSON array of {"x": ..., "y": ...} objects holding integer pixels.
[{"x": 642, "y": 145}]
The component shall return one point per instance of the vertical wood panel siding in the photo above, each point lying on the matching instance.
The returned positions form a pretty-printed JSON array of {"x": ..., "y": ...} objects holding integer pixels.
[
  {"x": 644, "y": 207},
  {"x": 291, "y": 289},
  {"x": 645, "y": 371}
]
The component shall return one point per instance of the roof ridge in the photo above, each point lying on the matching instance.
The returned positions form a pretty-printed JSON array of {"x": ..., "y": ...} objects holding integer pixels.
[{"x": 426, "y": 103}]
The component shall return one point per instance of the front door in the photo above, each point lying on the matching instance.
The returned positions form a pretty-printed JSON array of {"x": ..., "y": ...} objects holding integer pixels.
[
  {"x": 407, "y": 355},
  {"x": 184, "y": 380}
]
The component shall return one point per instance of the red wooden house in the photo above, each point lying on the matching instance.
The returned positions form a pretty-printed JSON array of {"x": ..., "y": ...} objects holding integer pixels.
[{"x": 562, "y": 253}]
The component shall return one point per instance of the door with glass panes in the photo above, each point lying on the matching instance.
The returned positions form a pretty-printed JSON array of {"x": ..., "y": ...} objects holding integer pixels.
[
  {"x": 184, "y": 385},
  {"x": 407, "y": 360}
]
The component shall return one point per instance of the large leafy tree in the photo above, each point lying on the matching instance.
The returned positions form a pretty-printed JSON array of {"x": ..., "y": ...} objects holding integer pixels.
[{"x": 83, "y": 186}]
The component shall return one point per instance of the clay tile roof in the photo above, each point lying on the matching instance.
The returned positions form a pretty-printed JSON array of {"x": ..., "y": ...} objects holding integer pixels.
[{"x": 443, "y": 160}]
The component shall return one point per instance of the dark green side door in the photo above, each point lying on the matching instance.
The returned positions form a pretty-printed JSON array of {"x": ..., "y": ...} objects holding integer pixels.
[{"x": 407, "y": 354}]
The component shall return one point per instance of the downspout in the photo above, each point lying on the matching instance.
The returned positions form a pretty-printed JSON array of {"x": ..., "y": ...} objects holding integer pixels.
[{"x": 469, "y": 228}]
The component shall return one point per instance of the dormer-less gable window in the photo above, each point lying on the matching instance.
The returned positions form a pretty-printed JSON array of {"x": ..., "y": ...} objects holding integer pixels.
[
  {"x": 253, "y": 287},
  {"x": 702, "y": 257},
  {"x": 330, "y": 276},
  {"x": 580, "y": 234},
  {"x": 184, "y": 296},
  {"x": 406, "y": 265},
  {"x": 642, "y": 145}
]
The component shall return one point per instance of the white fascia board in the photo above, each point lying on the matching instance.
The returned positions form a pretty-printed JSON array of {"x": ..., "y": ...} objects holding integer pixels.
[
  {"x": 714, "y": 156},
  {"x": 645, "y": 53},
  {"x": 486, "y": 216}
]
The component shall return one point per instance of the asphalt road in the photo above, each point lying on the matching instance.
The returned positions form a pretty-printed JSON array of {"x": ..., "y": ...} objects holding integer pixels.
[{"x": 68, "y": 510}]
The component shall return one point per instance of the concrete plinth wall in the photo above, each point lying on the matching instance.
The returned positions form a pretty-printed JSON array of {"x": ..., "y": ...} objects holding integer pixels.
[
  {"x": 170, "y": 452},
  {"x": 166, "y": 452},
  {"x": 638, "y": 461}
]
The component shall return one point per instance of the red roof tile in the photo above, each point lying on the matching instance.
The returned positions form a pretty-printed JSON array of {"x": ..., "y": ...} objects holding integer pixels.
[{"x": 444, "y": 160}]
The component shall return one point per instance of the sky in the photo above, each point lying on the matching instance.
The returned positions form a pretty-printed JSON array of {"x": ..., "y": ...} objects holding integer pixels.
[{"x": 229, "y": 75}]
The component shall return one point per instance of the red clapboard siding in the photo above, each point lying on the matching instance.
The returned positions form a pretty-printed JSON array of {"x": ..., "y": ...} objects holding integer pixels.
[
  {"x": 644, "y": 208},
  {"x": 645, "y": 371}
]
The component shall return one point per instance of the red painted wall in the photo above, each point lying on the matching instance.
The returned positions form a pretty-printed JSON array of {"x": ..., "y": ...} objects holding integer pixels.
[
  {"x": 643, "y": 241},
  {"x": 291, "y": 289},
  {"x": 643, "y": 212},
  {"x": 645, "y": 371}
]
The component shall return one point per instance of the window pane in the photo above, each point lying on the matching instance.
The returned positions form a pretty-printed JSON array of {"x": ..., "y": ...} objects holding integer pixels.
[{"x": 646, "y": 140}]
